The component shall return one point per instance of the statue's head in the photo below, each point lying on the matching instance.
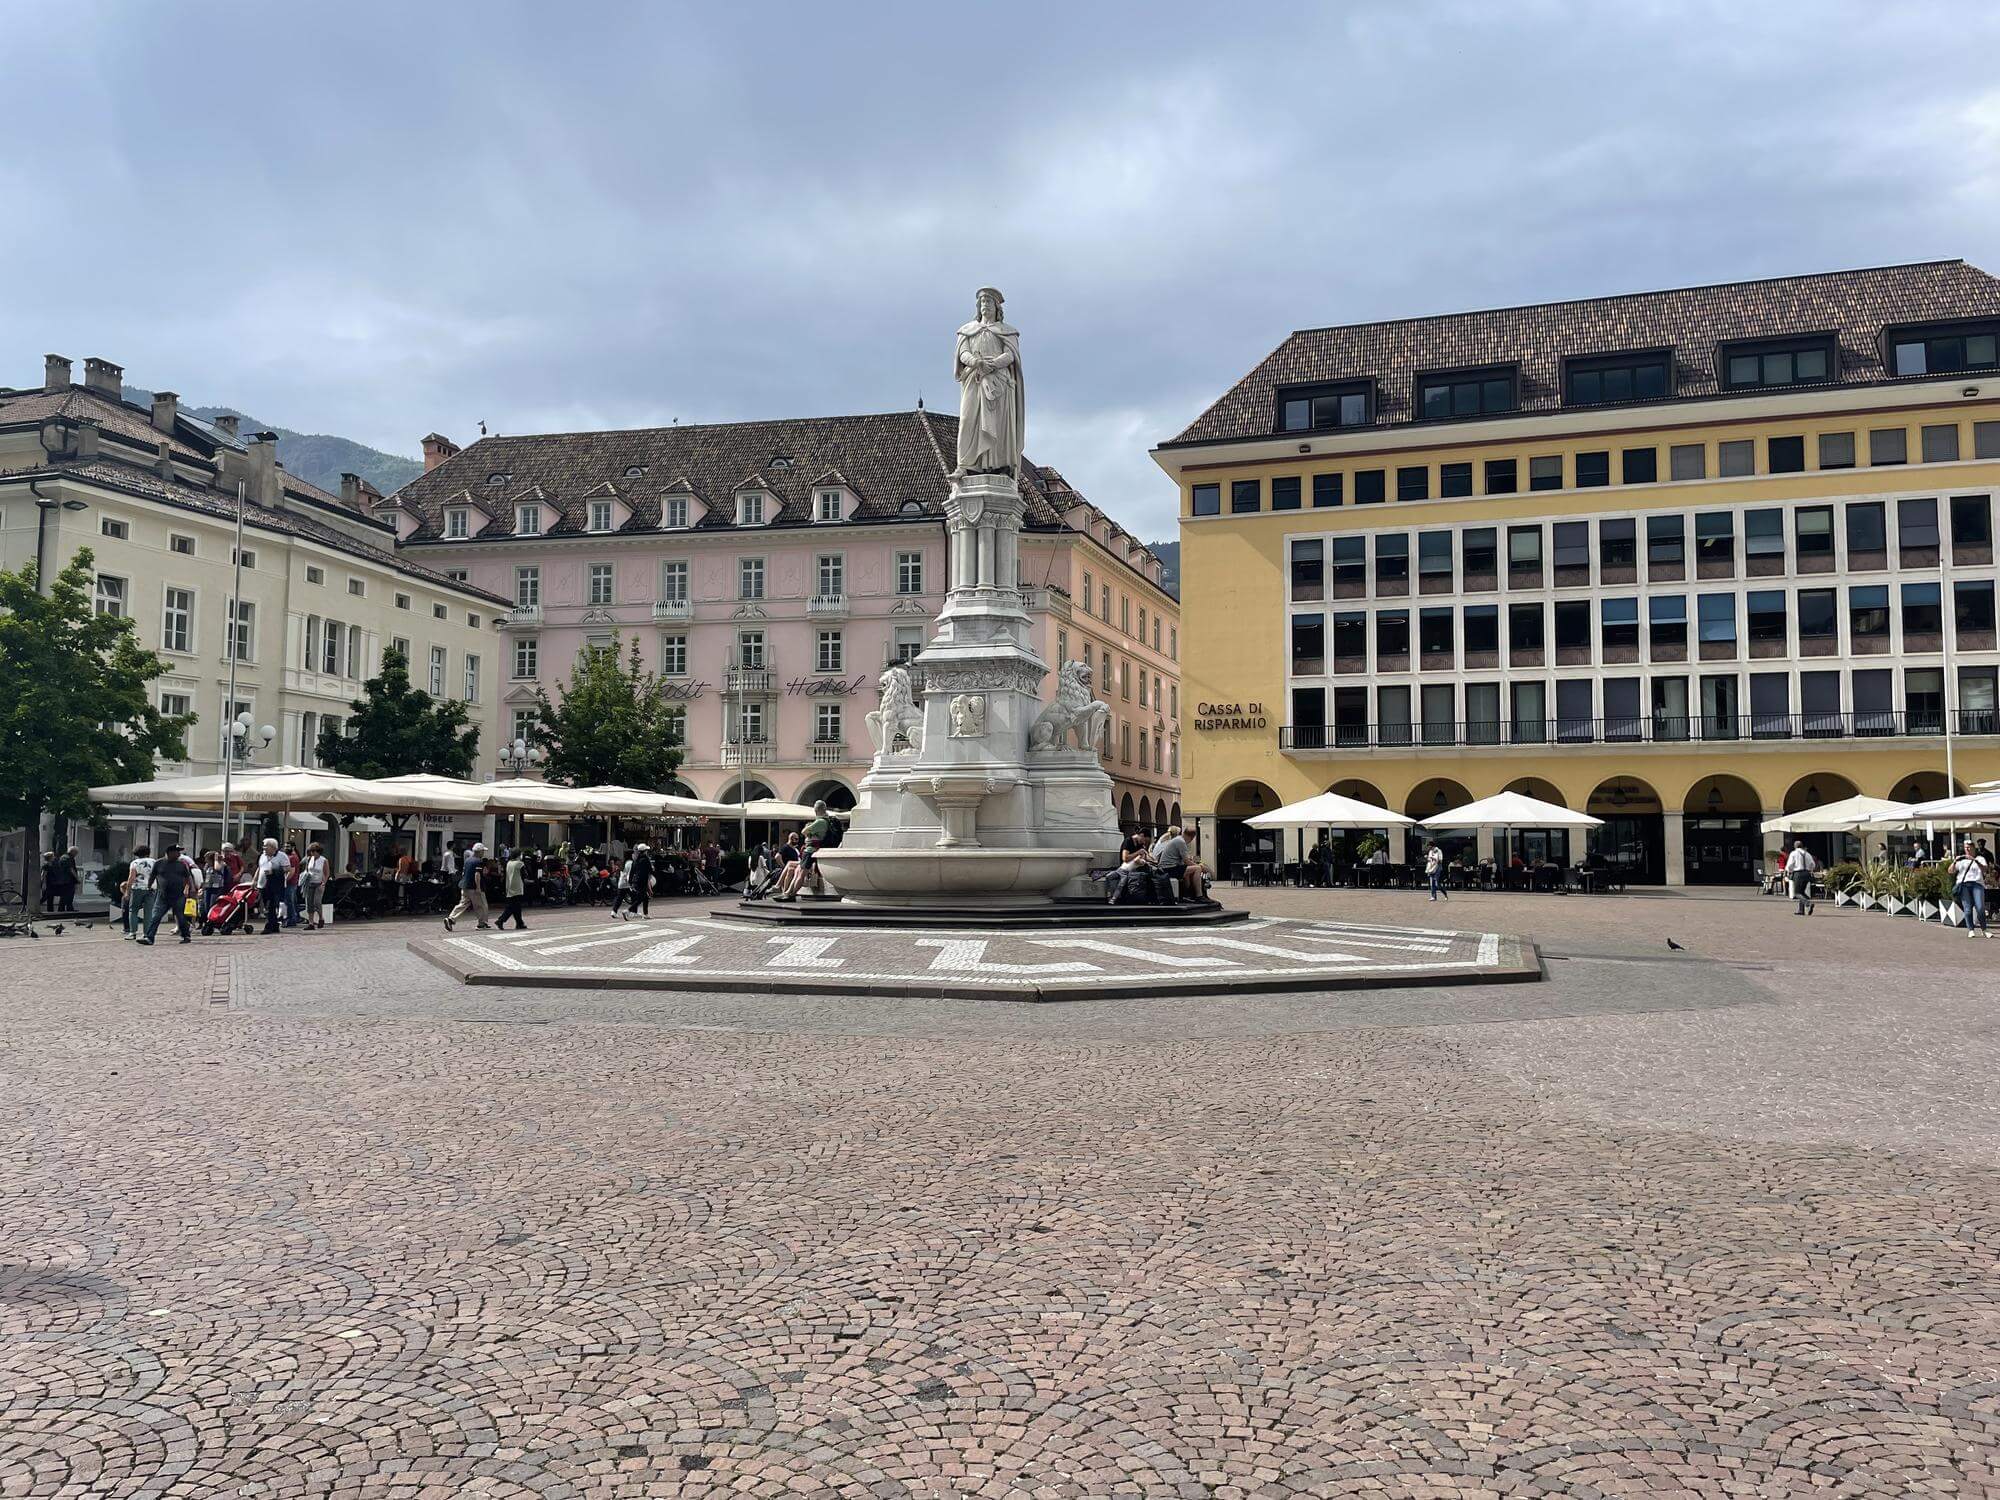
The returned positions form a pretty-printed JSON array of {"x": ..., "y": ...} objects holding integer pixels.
[{"x": 990, "y": 303}]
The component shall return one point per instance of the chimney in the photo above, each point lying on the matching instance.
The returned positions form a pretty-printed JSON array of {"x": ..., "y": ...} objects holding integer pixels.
[
  {"x": 86, "y": 440},
  {"x": 264, "y": 470},
  {"x": 226, "y": 424},
  {"x": 163, "y": 462},
  {"x": 104, "y": 377},
  {"x": 56, "y": 372},
  {"x": 350, "y": 491},
  {"x": 437, "y": 448},
  {"x": 166, "y": 407}
]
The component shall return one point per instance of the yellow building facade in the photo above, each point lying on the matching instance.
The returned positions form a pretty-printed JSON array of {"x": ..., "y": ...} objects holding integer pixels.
[{"x": 1758, "y": 578}]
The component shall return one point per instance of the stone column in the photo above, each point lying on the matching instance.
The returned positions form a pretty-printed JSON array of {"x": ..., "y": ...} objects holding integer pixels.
[
  {"x": 985, "y": 534},
  {"x": 1675, "y": 827}
]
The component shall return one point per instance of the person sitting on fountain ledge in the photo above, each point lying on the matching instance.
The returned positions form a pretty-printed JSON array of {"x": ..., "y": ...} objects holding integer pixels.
[{"x": 1171, "y": 855}]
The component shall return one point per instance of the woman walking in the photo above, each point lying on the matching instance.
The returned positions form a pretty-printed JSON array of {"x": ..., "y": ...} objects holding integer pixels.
[
  {"x": 1968, "y": 889},
  {"x": 312, "y": 886},
  {"x": 1434, "y": 870}
]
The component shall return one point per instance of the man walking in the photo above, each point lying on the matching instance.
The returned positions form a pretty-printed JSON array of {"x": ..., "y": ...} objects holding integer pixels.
[
  {"x": 640, "y": 868},
  {"x": 1800, "y": 867},
  {"x": 173, "y": 883},
  {"x": 1968, "y": 889},
  {"x": 69, "y": 874},
  {"x": 516, "y": 891},
  {"x": 138, "y": 886},
  {"x": 1434, "y": 872},
  {"x": 471, "y": 897},
  {"x": 273, "y": 871}
]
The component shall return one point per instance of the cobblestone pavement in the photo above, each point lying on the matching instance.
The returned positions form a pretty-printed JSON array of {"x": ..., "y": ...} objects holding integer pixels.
[
  {"x": 302, "y": 1216},
  {"x": 698, "y": 950}
]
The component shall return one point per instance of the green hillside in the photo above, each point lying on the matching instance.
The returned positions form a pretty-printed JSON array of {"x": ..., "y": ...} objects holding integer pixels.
[{"x": 318, "y": 458}]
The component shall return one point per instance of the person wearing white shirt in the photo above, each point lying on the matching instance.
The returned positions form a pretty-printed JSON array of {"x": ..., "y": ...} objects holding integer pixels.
[
  {"x": 1800, "y": 867},
  {"x": 274, "y": 870},
  {"x": 1968, "y": 889}
]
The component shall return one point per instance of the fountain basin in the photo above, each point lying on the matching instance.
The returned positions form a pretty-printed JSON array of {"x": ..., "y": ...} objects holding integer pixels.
[{"x": 917, "y": 877}]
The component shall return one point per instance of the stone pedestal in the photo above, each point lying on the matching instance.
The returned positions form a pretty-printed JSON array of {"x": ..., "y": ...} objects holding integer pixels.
[{"x": 984, "y": 776}]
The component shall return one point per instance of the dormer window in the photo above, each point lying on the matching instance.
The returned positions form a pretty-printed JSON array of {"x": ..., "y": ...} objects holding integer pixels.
[
  {"x": 1609, "y": 379},
  {"x": 1444, "y": 394},
  {"x": 674, "y": 513},
  {"x": 457, "y": 522},
  {"x": 1322, "y": 408},
  {"x": 497, "y": 479},
  {"x": 1945, "y": 351},
  {"x": 826, "y": 505},
  {"x": 635, "y": 471},
  {"x": 600, "y": 515},
  {"x": 750, "y": 509},
  {"x": 781, "y": 463},
  {"x": 1775, "y": 363},
  {"x": 911, "y": 507},
  {"x": 527, "y": 520}
]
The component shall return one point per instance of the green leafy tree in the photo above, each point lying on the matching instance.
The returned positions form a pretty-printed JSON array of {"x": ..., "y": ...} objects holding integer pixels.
[
  {"x": 613, "y": 725},
  {"x": 75, "y": 707},
  {"x": 398, "y": 730}
]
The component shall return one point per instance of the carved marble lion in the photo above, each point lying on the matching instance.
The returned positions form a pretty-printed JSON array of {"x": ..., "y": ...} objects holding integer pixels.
[{"x": 1074, "y": 712}]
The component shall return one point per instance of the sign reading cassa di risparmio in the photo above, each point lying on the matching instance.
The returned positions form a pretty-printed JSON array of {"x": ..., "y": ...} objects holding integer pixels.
[{"x": 1213, "y": 716}]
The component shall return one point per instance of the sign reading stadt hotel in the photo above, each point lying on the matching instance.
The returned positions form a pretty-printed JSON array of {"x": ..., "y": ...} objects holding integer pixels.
[{"x": 1211, "y": 716}]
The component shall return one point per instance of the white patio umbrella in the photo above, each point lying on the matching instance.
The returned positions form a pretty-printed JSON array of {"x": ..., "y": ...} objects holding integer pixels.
[
  {"x": 1512, "y": 810},
  {"x": 269, "y": 788},
  {"x": 778, "y": 810},
  {"x": 426, "y": 792},
  {"x": 1328, "y": 810},
  {"x": 1844, "y": 816}
]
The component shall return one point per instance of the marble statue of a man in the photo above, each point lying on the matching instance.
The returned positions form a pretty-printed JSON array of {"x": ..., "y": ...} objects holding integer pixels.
[{"x": 992, "y": 407}]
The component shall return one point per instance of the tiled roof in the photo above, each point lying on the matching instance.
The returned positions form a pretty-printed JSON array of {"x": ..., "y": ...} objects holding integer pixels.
[
  {"x": 886, "y": 460},
  {"x": 147, "y": 485},
  {"x": 80, "y": 404},
  {"x": 1692, "y": 321}
]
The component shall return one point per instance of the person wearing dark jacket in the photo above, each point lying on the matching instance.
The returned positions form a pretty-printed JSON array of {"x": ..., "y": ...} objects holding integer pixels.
[
  {"x": 641, "y": 874},
  {"x": 173, "y": 883},
  {"x": 68, "y": 877}
]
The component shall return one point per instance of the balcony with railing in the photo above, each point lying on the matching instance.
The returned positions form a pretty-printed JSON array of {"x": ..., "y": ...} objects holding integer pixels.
[
  {"x": 756, "y": 752},
  {"x": 757, "y": 681},
  {"x": 829, "y": 752},
  {"x": 827, "y": 607},
  {"x": 673, "y": 611},
  {"x": 522, "y": 617},
  {"x": 1649, "y": 729}
]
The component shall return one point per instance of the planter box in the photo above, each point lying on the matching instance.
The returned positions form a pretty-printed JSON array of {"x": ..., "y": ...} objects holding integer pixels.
[
  {"x": 1954, "y": 915},
  {"x": 1927, "y": 911},
  {"x": 1843, "y": 898},
  {"x": 1893, "y": 907},
  {"x": 1865, "y": 901}
]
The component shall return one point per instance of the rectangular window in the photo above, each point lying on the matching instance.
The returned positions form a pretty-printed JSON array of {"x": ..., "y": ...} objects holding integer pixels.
[
  {"x": 1350, "y": 564},
  {"x": 674, "y": 513},
  {"x": 600, "y": 584},
  {"x": 1818, "y": 615},
  {"x": 1525, "y": 627},
  {"x": 527, "y": 585},
  {"x": 1785, "y": 455},
  {"x": 1765, "y": 614},
  {"x": 1778, "y": 362},
  {"x": 1605, "y": 379},
  {"x": 1764, "y": 533},
  {"x": 673, "y": 655},
  {"x": 1666, "y": 541},
  {"x": 1836, "y": 450},
  {"x": 1889, "y": 445},
  {"x": 1502, "y": 476},
  {"x": 600, "y": 515},
  {"x": 1923, "y": 700},
  {"x": 1392, "y": 559},
  {"x": 1545, "y": 473},
  {"x": 1736, "y": 459},
  {"x": 1326, "y": 491},
  {"x": 1245, "y": 495},
  {"x": 1285, "y": 492},
  {"x": 750, "y": 510},
  {"x": 242, "y": 642},
  {"x": 1434, "y": 556},
  {"x": 750, "y": 578},
  {"x": 331, "y": 654},
  {"x": 1923, "y": 352},
  {"x": 455, "y": 524},
  {"x": 1527, "y": 712},
  {"x": 827, "y": 728},
  {"x": 1482, "y": 628},
  {"x": 1916, "y": 526},
  {"x": 1813, "y": 525},
  {"x": 1308, "y": 645},
  {"x": 437, "y": 671},
  {"x": 1717, "y": 618},
  {"x": 1573, "y": 709},
  {"x": 1971, "y": 521},
  {"x": 1923, "y": 611},
  {"x": 1619, "y": 623},
  {"x": 1524, "y": 547},
  {"x": 1666, "y": 624},
  {"x": 438, "y": 611},
  {"x": 910, "y": 641},
  {"x": 527, "y": 520},
  {"x": 401, "y": 646},
  {"x": 1593, "y": 470},
  {"x": 1569, "y": 545},
  {"x": 1319, "y": 408},
  {"x": 1088, "y": 592},
  {"x": 111, "y": 595},
  {"x": 826, "y": 505},
  {"x": 1639, "y": 465},
  {"x": 1464, "y": 393},
  {"x": 830, "y": 576},
  {"x": 1454, "y": 480},
  {"x": 1482, "y": 713},
  {"x": 1986, "y": 439},
  {"x": 750, "y": 650},
  {"x": 1370, "y": 487},
  {"x": 674, "y": 581},
  {"x": 1413, "y": 482},
  {"x": 750, "y": 723},
  {"x": 1618, "y": 544},
  {"x": 1868, "y": 612},
  {"x": 1715, "y": 538},
  {"x": 527, "y": 657},
  {"x": 1622, "y": 719},
  {"x": 177, "y": 621},
  {"x": 1978, "y": 700},
  {"x": 402, "y": 601},
  {"x": 315, "y": 575},
  {"x": 1572, "y": 625},
  {"x": 1688, "y": 461},
  {"x": 181, "y": 544},
  {"x": 1392, "y": 638},
  {"x": 1940, "y": 443},
  {"x": 1867, "y": 534},
  {"x": 1308, "y": 570},
  {"x": 829, "y": 652},
  {"x": 115, "y": 529},
  {"x": 1480, "y": 549},
  {"x": 1350, "y": 637},
  {"x": 1434, "y": 635},
  {"x": 909, "y": 573},
  {"x": 1206, "y": 500}
]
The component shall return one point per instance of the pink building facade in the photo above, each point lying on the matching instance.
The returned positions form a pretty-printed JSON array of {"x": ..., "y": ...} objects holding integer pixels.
[{"x": 768, "y": 572}]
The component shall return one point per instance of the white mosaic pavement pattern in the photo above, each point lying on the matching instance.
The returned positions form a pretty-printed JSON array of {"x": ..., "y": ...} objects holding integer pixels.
[{"x": 705, "y": 947}]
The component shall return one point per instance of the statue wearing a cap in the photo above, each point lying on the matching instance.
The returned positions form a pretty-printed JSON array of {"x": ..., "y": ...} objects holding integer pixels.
[{"x": 992, "y": 410}]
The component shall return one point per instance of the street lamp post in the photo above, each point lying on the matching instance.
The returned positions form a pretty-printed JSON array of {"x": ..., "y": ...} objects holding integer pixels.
[
  {"x": 246, "y": 738},
  {"x": 234, "y": 646},
  {"x": 517, "y": 759}
]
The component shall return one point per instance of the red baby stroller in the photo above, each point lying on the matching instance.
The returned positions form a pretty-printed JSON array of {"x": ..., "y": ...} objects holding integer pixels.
[{"x": 231, "y": 909}]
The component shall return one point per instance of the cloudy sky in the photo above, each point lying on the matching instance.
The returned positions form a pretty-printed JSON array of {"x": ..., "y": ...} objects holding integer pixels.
[{"x": 378, "y": 220}]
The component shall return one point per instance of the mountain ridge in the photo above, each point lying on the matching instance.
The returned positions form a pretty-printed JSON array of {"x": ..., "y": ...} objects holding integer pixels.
[{"x": 317, "y": 457}]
